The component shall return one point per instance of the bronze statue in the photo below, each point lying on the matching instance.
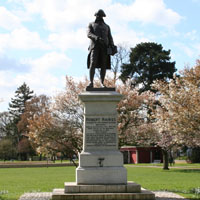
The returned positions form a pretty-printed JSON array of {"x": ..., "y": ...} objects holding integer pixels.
[{"x": 101, "y": 47}]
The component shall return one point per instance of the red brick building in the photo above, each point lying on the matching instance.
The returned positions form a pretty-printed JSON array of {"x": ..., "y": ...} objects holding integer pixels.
[{"x": 141, "y": 154}]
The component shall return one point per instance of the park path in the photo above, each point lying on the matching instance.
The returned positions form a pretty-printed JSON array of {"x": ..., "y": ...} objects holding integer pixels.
[
  {"x": 170, "y": 167},
  {"x": 160, "y": 195}
]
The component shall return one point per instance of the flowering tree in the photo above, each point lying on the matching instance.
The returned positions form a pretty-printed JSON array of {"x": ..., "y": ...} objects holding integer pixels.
[
  {"x": 178, "y": 116},
  {"x": 180, "y": 107},
  {"x": 67, "y": 105},
  {"x": 34, "y": 120},
  {"x": 57, "y": 126},
  {"x": 139, "y": 127},
  {"x": 134, "y": 126}
]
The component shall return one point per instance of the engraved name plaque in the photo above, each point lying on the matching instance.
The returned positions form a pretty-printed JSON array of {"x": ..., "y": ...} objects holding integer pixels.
[{"x": 101, "y": 131}]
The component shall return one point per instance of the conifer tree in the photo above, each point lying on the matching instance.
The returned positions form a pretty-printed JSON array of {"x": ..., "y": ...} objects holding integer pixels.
[
  {"x": 148, "y": 62},
  {"x": 17, "y": 107}
]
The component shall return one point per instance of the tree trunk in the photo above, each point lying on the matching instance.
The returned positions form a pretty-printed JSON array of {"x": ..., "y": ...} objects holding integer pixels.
[
  {"x": 165, "y": 160},
  {"x": 74, "y": 163}
]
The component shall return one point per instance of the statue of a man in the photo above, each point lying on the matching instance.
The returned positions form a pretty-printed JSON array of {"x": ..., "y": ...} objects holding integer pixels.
[{"x": 101, "y": 47}]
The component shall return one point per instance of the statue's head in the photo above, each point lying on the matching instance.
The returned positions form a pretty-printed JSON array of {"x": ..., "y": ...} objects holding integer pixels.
[{"x": 100, "y": 13}]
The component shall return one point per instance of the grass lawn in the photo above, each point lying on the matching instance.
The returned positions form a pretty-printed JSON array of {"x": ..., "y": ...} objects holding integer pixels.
[
  {"x": 16, "y": 181},
  {"x": 179, "y": 165},
  {"x": 181, "y": 181}
]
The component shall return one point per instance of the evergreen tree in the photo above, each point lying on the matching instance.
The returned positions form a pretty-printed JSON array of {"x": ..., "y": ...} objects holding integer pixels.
[
  {"x": 16, "y": 109},
  {"x": 148, "y": 62}
]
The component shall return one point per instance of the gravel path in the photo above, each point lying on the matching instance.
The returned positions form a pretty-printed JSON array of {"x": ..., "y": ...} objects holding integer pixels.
[
  {"x": 47, "y": 196},
  {"x": 168, "y": 196},
  {"x": 36, "y": 196}
]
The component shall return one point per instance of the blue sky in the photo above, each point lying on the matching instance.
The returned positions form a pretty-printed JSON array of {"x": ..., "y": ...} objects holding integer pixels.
[{"x": 42, "y": 41}]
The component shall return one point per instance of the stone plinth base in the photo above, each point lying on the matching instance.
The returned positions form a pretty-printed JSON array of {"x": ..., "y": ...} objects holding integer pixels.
[
  {"x": 59, "y": 194},
  {"x": 129, "y": 191},
  {"x": 123, "y": 188}
]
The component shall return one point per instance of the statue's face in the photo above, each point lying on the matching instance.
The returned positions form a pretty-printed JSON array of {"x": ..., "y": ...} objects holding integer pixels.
[{"x": 99, "y": 17}]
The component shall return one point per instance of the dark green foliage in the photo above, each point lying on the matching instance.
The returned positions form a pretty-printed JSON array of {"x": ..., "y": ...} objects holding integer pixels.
[
  {"x": 194, "y": 157},
  {"x": 16, "y": 108},
  {"x": 17, "y": 105},
  {"x": 7, "y": 150},
  {"x": 148, "y": 62},
  {"x": 24, "y": 149}
]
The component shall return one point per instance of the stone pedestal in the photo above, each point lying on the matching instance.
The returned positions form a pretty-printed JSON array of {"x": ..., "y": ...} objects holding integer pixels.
[
  {"x": 100, "y": 162},
  {"x": 101, "y": 174}
]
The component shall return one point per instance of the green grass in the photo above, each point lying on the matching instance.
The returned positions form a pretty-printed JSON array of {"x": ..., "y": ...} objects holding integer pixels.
[
  {"x": 182, "y": 181},
  {"x": 181, "y": 165},
  {"x": 37, "y": 161},
  {"x": 20, "y": 180}
]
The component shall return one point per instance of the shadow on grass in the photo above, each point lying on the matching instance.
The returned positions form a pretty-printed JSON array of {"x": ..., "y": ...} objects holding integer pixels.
[
  {"x": 6, "y": 198},
  {"x": 186, "y": 170}
]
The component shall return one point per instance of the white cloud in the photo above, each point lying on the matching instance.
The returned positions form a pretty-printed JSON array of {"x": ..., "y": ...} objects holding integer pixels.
[
  {"x": 4, "y": 42},
  {"x": 197, "y": 50},
  {"x": 64, "y": 14},
  {"x": 21, "y": 38},
  {"x": 67, "y": 21},
  {"x": 39, "y": 82},
  {"x": 64, "y": 22},
  {"x": 11, "y": 64},
  {"x": 67, "y": 14},
  {"x": 8, "y": 20},
  {"x": 192, "y": 35},
  {"x": 129, "y": 37},
  {"x": 145, "y": 11},
  {"x": 186, "y": 49},
  {"x": 42, "y": 78},
  {"x": 71, "y": 39},
  {"x": 25, "y": 39},
  {"x": 7, "y": 88},
  {"x": 50, "y": 61}
]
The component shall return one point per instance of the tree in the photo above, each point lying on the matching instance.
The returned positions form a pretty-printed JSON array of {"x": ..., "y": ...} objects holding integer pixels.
[
  {"x": 132, "y": 123},
  {"x": 4, "y": 124},
  {"x": 58, "y": 127},
  {"x": 148, "y": 62},
  {"x": 7, "y": 149},
  {"x": 117, "y": 60},
  {"x": 24, "y": 149},
  {"x": 16, "y": 109},
  {"x": 136, "y": 127},
  {"x": 35, "y": 109},
  {"x": 178, "y": 115}
]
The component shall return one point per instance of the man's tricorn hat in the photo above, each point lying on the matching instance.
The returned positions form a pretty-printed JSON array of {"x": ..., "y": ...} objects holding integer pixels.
[{"x": 100, "y": 13}]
